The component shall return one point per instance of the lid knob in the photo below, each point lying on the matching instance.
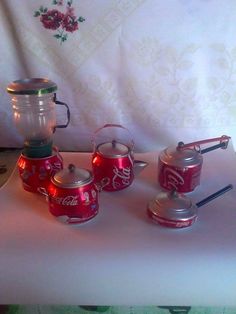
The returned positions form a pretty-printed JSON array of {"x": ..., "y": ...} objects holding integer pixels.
[{"x": 71, "y": 168}]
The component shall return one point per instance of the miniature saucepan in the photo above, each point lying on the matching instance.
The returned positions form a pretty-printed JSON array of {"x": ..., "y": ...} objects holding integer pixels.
[
  {"x": 175, "y": 210},
  {"x": 179, "y": 168}
]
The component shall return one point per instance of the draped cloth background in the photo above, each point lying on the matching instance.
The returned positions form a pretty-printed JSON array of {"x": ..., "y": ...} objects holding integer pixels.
[{"x": 166, "y": 70}]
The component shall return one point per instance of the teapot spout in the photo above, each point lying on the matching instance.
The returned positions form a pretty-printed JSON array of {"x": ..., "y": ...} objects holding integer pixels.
[{"x": 139, "y": 165}]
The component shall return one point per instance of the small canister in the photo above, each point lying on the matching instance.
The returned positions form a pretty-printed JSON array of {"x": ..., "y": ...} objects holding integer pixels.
[{"x": 73, "y": 193}]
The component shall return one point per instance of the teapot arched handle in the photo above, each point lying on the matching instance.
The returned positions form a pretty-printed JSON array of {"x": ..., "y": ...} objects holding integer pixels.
[{"x": 111, "y": 125}]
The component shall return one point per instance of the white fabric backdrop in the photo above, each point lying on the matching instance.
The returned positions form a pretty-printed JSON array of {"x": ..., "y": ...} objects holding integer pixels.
[{"x": 166, "y": 70}]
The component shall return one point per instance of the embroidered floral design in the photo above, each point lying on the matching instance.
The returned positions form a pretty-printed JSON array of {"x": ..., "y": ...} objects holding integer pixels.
[{"x": 63, "y": 22}]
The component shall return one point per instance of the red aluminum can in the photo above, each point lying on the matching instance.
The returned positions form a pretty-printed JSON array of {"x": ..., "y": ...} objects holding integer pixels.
[
  {"x": 113, "y": 162},
  {"x": 179, "y": 170},
  {"x": 73, "y": 194},
  {"x": 37, "y": 172}
]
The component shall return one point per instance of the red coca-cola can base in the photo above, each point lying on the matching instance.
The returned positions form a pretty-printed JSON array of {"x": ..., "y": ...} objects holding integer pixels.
[{"x": 37, "y": 172}]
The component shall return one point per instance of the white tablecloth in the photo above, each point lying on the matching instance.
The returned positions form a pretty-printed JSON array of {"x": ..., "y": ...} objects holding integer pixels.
[
  {"x": 166, "y": 70},
  {"x": 121, "y": 257}
]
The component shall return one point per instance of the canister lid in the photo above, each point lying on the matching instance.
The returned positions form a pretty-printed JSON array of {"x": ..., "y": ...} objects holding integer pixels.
[
  {"x": 72, "y": 177},
  {"x": 173, "y": 206},
  {"x": 31, "y": 86},
  {"x": 113, "y": 149},
  {"x": 181, "y": 157}
]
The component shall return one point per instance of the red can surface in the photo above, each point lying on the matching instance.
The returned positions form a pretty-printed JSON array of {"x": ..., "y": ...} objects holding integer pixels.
[
  {"x": 113, "y": 163},
  {"x": 37, "y": 172},
  {"x": 73, "y": 193},
  {"x": 179, "y": 170}
]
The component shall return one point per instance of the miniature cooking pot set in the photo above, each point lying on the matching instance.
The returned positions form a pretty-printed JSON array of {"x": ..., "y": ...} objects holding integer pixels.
[{"x": 72, "y": 192}]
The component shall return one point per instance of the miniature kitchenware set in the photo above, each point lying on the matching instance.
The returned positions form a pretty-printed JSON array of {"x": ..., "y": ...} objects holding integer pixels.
[{"x": 74, "y": 193}]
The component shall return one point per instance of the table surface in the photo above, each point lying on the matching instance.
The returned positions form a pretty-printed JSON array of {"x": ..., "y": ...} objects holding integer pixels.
[{"x": 121, "y": 257}]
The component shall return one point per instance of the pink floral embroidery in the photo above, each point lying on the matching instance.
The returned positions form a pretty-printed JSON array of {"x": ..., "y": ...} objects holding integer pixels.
[{"x": 64, "y": 22}]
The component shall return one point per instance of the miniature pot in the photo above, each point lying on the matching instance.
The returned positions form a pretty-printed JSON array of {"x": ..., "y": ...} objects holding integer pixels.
[
  {"x": 73, "y": 195},
  {"x": 179, "y": 168}
]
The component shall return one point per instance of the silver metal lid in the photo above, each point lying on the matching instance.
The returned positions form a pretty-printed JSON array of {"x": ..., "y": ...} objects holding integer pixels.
[
  {"x": 31, "y": 86},
  {"x": 173, "y": 206},
  {"x": 113, "y": 149},
  {"x": 180, "y": 157},
  {"x": 72, "y": 177}
]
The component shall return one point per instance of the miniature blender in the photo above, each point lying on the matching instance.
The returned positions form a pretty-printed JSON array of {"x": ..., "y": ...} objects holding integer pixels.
[{"x": 33, "y": 102}]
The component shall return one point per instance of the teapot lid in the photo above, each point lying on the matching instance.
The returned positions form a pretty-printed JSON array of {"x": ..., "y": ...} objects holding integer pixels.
[
  {"x": 113, "y": 149},
  {"x": 172, "y": 206},
  {"x": 72, "y": 177},
  {"x": 31, "y": 86}
]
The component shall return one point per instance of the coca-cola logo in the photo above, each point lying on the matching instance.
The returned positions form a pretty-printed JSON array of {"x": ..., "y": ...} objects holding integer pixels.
[
  {"x": 172, "y": 178},
  {"x": 70, "y": 200},
  {"x": 85, "y": 198},
  {"x": 122, "y": 175}
]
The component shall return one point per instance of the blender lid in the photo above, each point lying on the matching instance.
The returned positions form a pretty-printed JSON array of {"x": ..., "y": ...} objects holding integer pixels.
[{"x": 31, "y": 86}]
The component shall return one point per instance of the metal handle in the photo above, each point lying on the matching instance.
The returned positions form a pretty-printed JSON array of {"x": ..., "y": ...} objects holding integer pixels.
[
  {"x": 116, "y": 126},
  {"x": 214, "y": 195},
  {"x": 57, "y": 102},
  {"x": 224, "y": 139}
]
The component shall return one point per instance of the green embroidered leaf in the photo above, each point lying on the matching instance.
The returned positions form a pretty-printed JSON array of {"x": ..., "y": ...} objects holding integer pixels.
[
  {"x": 64, "y": 38},
  {"x": 36, "y": 13},
  {"x": 54, "y": 2},
  {"x": 57, "y": 36},
  {"x": 81, "y": 19},
  {"x": 45, "y": 10},
  {"x": 41, "y": 9}
]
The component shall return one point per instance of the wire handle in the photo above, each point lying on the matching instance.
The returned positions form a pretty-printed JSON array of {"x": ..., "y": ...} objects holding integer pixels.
[{"x": 110, "y": 125}]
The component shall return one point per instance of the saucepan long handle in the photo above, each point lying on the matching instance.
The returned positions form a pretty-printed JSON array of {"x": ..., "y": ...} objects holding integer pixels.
[
  {"x": 214, "y": 195},
  {"x": 209, "y": 149}
]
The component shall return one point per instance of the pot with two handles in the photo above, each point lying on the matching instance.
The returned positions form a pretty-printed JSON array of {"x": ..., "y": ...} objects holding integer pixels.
[
  {"x": 113, "y": 159},
  {"x": 179, "y": 168},
  {"x": 176, "y": 210},
  {"x": 72, "y": 195}
]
